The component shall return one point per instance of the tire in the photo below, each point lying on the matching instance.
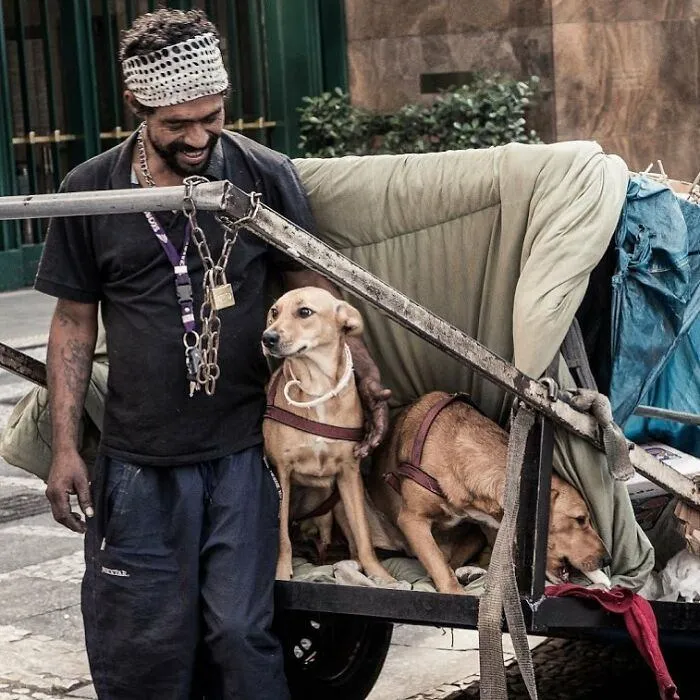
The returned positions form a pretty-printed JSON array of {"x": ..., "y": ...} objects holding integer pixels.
[{"x": 332, "y": 656}]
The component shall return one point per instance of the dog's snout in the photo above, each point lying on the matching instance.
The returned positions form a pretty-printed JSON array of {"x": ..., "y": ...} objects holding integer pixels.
[
  {"x": 270, "y": 338},
  {"x": 605, "y": 560}
]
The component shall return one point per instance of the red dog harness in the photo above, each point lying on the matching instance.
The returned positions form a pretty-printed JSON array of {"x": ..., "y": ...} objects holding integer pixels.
[
  {"x": 306, "y": 425},
  {"x": 412, "y": 469}
]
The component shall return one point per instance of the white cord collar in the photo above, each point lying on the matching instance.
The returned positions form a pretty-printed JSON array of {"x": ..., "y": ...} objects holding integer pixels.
[{"x": 344, "y": 381}]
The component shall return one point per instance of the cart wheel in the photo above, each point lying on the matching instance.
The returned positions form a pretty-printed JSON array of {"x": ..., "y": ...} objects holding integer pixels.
[{"x": 332, "y": 656}]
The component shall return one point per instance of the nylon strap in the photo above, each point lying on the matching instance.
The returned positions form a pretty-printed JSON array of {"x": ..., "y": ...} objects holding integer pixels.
[
  {"x": 183, "y": 283},
  {"x": 413, "y": 469},
  {"x": 501, "y": 589},
  {"x": 306, "y": 425},
  {"x": 418, "y": 475},
  {"x": 324, "y": 507}
]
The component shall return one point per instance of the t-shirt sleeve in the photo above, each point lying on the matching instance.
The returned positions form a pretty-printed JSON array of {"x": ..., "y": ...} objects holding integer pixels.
[
  {"x": 68, "y": 267},
  {"x": 292, "y": 202}
]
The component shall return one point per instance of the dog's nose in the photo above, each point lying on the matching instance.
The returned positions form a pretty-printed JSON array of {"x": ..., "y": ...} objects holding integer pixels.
[
  {"x": 605, "y": 560},
  {"x": 270, "y": 338}
]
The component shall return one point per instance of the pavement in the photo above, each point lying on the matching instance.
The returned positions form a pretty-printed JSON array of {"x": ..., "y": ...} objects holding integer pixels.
[{"x": 41, "y": 637}]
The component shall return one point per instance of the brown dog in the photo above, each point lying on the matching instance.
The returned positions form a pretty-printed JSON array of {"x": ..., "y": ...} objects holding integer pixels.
[
  {"x": 465, "y": 453},
  {"x": 307, "y": 328}
]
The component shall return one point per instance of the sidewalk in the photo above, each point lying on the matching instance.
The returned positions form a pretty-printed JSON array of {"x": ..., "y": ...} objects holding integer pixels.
[{"x": 41, "y": 639}]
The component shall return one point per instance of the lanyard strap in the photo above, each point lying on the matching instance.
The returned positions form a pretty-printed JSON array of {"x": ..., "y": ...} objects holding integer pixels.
[{"x": 183, "y": 283}]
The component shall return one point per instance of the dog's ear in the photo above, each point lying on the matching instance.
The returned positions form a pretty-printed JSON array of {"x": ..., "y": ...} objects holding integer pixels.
[{"x": 349, "y": 319}]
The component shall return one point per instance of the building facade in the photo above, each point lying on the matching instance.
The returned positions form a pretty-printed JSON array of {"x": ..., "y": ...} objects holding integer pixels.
[{"x": 623, "y": 72}]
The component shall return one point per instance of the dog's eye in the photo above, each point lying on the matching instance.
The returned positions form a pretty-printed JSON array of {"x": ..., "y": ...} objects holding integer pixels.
[
  {"x": 581, "y": 520},
  {"x": 274, "y": 313},
  {"x": 304, "y": 312}
]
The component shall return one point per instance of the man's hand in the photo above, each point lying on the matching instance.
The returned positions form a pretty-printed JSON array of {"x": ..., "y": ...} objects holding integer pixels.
[
  {"x": 374, "y": 399},
  {"x": 68, "y": 365},
  {"x": 69, "y": 476}
]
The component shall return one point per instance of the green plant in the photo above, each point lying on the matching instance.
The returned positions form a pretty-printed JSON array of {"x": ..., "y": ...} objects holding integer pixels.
[
  {"x": 331, "y": 126},
  {"x": 487, "y": 112}
]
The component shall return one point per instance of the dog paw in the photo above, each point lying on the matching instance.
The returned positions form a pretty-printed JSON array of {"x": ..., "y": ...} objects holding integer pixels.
[
  {"x": 348, "y": 572},
  {"x": 283, "y": 574},
  {"x": 467, "y": 574}
]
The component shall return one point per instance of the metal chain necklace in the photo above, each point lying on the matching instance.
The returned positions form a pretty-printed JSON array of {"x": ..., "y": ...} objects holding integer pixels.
[{"x": 202, "y": 349}]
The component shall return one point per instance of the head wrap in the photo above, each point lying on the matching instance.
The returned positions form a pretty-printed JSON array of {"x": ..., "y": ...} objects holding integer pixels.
[{"x": 177, "y": 73}]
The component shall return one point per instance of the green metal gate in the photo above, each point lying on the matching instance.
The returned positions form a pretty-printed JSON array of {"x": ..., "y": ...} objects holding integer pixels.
[{"x": 61, "y": 91}]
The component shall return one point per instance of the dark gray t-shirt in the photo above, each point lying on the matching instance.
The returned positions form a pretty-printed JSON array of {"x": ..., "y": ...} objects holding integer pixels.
[{"x": 116, "y": 260}]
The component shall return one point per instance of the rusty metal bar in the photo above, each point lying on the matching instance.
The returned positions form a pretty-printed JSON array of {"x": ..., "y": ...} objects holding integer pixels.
[
  {"x": 299, "y": 244},
  {"x": 22, "y": 365},
  {"x": 119, "y": 133},
  {"x": 209, "y": 196}
]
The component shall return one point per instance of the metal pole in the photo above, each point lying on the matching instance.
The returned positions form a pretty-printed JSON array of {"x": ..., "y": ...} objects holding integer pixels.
[
  {"x": 299, "y": 244},
  {"x": 667, "y": 414},
  {"x": 25, "y": 68},
  {"x": 9, "y": 233},
  {"x": 234, "y": 60},
  {"x": 210, "y": 196},
  {"x": 50, "y": 93},
  {"x": 113, "y": 81}
]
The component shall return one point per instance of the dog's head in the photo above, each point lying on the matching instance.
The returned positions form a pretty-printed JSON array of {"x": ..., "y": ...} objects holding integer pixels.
[
  {"x": 572, "y": 543},
  {"x": 308, "y": 318}
]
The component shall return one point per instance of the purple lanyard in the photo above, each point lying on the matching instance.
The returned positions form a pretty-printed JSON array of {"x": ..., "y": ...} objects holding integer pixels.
[{"x": 183, "y": 284}]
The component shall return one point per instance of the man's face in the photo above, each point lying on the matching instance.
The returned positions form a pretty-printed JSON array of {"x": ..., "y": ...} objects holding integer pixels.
[{"x": 184, "y": 135}]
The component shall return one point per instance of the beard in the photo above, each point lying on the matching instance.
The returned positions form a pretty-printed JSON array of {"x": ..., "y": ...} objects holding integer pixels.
[{"x": 169, "y": 155}]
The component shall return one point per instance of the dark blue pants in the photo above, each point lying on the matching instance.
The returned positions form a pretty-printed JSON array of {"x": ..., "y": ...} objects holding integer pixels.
[{"x": 178, "y": 590}]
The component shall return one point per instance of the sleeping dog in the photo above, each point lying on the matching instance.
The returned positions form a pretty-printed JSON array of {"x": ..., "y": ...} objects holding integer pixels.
[
  {"x": 459, "y": 481},
  {"x": 314, "y": 417}
]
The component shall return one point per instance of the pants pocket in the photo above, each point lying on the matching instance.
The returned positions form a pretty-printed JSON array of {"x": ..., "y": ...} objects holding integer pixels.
[{"x": 121, "y": 478}]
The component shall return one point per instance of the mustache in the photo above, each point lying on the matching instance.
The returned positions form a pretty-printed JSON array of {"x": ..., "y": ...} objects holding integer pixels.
[{"x": 179, "y": 147}]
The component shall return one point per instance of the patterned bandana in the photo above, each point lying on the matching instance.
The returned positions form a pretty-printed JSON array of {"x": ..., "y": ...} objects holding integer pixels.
[{"x": 178, "y": 73}]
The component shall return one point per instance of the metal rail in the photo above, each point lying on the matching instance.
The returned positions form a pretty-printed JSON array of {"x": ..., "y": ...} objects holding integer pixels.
[
  {"x": 210, "y": 196},
  {"x": 550, "y": 616},
  {"x": 283, "y": 234},
  {"x": 666, "y": 414},
  {"x": 56, "y": 136}
]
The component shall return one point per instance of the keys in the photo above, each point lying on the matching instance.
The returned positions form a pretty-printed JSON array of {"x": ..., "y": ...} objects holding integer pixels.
[{"x": 193, "y": 361}]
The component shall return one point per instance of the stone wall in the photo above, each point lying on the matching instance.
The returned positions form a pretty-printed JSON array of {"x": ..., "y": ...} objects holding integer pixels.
[
  {"x": 622, "y": 72},
  {"x": 626, "y": 74}
]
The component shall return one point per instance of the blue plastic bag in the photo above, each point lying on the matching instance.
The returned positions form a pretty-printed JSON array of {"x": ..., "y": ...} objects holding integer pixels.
[{"x": 656, "y": 314}]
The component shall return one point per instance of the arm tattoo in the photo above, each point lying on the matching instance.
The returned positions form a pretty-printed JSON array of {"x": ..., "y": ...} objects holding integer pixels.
[
  {"x": 70, "y": 365},
  {"x": 77, "y": 360}
]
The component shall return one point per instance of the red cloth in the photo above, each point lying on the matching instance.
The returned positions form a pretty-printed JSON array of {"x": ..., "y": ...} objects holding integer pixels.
[{"x": 639, "y": 620}]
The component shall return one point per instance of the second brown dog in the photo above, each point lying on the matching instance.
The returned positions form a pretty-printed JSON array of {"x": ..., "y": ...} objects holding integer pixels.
[{"x": 464, "y": 454}]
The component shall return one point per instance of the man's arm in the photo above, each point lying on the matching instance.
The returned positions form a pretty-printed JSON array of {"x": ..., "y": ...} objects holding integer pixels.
[
  {"x": 374, "y": 396},
  {"x": 69, "y": 364}
]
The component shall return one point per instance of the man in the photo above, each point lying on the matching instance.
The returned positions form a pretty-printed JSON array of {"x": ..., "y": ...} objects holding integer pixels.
[{"x": 182, "y": 516}]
